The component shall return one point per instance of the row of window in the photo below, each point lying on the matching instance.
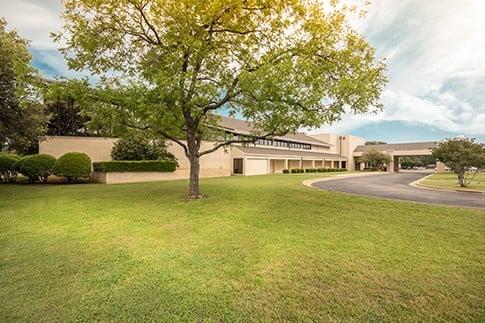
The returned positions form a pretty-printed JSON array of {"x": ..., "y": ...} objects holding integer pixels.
[
  {"x": 266, "y": 142},
  {"x": 283, "y": 143}
]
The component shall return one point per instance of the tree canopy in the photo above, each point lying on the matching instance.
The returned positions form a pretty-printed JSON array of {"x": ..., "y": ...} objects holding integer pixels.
[
  {"x": 21, "y": 117},
  {"x": 464, "y": 156},
  {"x": 63, "y": 105},
  {"x": 175, "y": 64},
  {"x": 375, "y": 158}
]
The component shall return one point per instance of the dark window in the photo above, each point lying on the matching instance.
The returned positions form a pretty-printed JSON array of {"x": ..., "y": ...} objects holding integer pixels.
[{"x": 238, "y": 165}]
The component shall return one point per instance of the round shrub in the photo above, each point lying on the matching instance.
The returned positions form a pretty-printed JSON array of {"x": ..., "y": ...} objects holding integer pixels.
[
  {"x": 36, "y": 167},
  {"x": 286, "y": 171},
  {"x": 140, "y": 148},
  {"x": 8, "y": 167},
  {"x": 72, "y": 166}
]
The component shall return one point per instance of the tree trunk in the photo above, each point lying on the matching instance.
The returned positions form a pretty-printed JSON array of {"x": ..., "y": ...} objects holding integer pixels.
[
  {"x": 461, "y": 180},
  {"x": 194, "y": 190}
]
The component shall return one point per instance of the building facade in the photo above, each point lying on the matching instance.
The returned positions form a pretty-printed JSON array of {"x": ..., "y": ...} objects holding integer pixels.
[{"x": 265, "y": 156}]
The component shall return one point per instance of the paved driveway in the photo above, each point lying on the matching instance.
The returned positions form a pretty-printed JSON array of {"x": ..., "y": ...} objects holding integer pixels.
[{"x": 396, "y": 186}]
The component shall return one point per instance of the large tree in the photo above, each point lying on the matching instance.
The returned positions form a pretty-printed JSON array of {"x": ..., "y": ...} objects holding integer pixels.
[
  {"x": 21, "y": 117},
  {"x": 280, "y": 64},
  {"x": 463, "y": 156},
  {"x": 63, "y": 104}
]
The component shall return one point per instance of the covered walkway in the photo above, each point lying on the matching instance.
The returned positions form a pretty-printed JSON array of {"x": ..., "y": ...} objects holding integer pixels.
[{"x": 258, "y": 161}]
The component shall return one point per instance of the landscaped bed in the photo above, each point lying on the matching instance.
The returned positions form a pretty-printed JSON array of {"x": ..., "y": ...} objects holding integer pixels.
[
  {"x": 449, "y": 181},
  {"x": 259, "y": 248}
]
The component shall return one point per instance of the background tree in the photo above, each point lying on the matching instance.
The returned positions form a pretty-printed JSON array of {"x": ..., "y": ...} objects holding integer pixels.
[
  {"x": 375, "y": 159},
  {"x": 21, "y": 117},
  {"x": 140, "y": 148},
  {"x": 280, "y": 64},
  {"x": 416, "y": 161},
  {"x": 460, "y": 155},
  {"x": 63, "y": 105},
  {"x": 375, "y": 142}
]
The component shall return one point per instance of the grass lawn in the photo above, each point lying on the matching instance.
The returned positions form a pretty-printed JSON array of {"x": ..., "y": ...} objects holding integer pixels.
[
  {"x": 449, "y": 181},
  {"x": 260, "y": 248}
]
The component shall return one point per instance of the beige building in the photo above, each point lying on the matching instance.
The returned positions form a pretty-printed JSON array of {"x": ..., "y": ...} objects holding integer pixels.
[{"x": 266, "y": 156}]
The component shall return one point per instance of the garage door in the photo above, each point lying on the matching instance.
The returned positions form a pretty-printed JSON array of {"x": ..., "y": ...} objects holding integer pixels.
[{"x": 256, "y": 166}]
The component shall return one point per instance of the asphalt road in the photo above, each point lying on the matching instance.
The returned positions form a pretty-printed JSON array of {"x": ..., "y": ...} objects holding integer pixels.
[{"x": 396, "y": 186}]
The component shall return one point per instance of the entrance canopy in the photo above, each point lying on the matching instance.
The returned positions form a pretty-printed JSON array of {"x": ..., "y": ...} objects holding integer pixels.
[
  {"x": 404, "y": 149},
  {"x": 398, "y": 150}
]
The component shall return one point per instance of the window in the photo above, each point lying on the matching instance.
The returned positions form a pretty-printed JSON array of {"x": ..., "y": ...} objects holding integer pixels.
[{"x": 237, "y": 165}]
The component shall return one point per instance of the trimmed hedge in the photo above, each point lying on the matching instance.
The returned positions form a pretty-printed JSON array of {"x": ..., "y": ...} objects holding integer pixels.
[
  {"x": 135, "y": 166},
  {"x": 8, "y": 167},
  {"x": 313, "y": 170},
  {"x": 36, "y": 167},
  {"x": 72, "y": 166}
]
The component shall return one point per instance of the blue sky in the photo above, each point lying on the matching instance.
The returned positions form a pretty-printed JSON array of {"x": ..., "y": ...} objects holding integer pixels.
[{"x": 434, "y": 49}]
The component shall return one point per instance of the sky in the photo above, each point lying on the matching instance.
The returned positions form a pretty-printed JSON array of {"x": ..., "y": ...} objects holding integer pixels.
[{"x": 434, "y": 51}]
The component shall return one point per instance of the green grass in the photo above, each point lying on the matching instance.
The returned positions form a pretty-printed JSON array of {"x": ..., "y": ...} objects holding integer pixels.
[
  {"x": 449, "y": 181},
  {"x": 258, "y": 249}
]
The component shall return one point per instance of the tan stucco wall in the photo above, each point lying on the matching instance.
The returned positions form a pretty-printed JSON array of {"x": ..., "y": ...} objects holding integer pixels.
[
  {"x": 98, "y": 149},
  {"x": 139, "y": 177},
  {"x": 215, "y": 164},
  {"x": 277, "y": 165},
  {"x": 218, "y": 163},
  {"x": 341, "y": 144},
  {"x": 293, "y": 164},
  {"x": 256, "y": 166},
  {"x": 307, "y": 164}
]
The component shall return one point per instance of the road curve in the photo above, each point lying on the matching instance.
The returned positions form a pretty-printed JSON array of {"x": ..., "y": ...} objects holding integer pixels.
[{"x": 396, "y": 186}]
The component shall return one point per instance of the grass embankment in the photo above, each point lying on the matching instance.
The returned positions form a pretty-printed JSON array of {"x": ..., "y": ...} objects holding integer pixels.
[
  {"x": 449, "y": 181},
  {"x": 260, "y": 248}
]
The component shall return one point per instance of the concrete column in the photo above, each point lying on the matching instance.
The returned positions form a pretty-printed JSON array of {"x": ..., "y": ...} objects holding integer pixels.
[
  {"x": 313, "y": 163},
  {"x": 286, "y": 164},
  {"x": 390, "y": 165},
  {"x": 396, "y": 164},
  {"x": 440, "y": 167},
  {"x": 361, "y": 166},
  {"x": 301, "y": 163},
  {"x": 268, "y": 166}
]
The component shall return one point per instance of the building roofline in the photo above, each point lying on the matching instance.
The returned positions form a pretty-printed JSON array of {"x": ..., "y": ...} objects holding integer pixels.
[{"x": 289, "y": 137}]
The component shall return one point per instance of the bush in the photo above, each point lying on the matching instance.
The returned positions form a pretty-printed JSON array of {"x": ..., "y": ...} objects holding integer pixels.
[
  {"x": 135, "y": 166},
  {"x": 8, "y": 167},
  {"x": 139, "y": 148},
  {"x": 72, "y": 166},
  {"x": 286, "y": 171},
  {"x": 36, "y": 167}
]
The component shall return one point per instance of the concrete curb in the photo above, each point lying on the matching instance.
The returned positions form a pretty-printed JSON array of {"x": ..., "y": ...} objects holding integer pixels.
[
  {"x": 418, "y": 185},
  {"x": 310, "y": 182}
]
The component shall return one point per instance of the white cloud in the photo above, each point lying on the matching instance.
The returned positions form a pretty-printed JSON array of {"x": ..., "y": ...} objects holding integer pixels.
[
  {"x": 34, "y": 20},
  {"x": 435, "y": 52}
]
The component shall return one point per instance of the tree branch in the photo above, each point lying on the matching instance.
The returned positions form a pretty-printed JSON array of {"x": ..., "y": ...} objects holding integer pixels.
[
  {"x": 178, "y": 142},
  {"x": 145, "y": 19}
]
